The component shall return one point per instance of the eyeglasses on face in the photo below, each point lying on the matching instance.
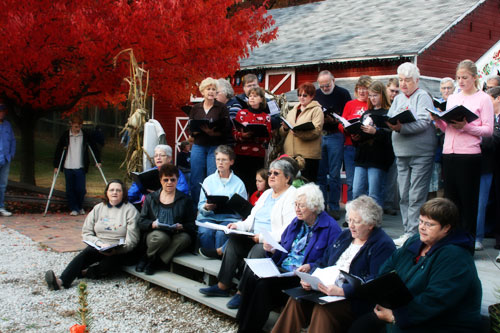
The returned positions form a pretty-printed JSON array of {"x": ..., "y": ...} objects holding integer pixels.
[
  {"x": 300, "y": 205},
  {"x": 447, "y": 88},
  {"x": 167, "y": 180},
  {"x": 302, "y": 95},
  {"x": 160, "y": 155},
  {"x": 273, "y": 173},
  {"x": 427, "y": 224},
  {"x": 352, "y": 221},
  {"x": 325, "y": 86},
  {"x": 394, "y": 91}
]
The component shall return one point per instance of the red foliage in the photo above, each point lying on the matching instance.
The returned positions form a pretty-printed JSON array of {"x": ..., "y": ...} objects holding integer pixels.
[{"x": 59, "y": 53}]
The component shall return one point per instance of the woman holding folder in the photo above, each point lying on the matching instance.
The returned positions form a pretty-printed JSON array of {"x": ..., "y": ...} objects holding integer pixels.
[
  {"x": 359, "y": 250},
  {"x": 305, "y": 239},
  {"x": 462, "y": 140}
]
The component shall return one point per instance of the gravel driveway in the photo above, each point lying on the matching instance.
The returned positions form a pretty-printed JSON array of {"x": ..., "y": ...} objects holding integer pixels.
[{"x": 118, "y": 304}]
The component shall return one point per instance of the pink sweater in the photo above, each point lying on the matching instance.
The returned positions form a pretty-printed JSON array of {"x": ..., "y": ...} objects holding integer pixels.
[{"x": 468, "y": 139}]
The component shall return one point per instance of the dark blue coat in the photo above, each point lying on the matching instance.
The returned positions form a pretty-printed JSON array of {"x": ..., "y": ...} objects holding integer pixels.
[
  {"x": 324, "y": 232},
  {"x": 365, "y": 264}
]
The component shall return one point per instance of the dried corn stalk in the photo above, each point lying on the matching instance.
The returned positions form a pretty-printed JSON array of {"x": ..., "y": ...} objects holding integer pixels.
[
  {"x": 276, "y": 144},
  {"x": 138, "y": 115}
]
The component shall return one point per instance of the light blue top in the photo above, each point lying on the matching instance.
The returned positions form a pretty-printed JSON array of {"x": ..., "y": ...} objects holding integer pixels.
[
  {"x": 262, "y": 219},
  {"x": 7, "y": 143},
  {"x": 215, "y": 185}
]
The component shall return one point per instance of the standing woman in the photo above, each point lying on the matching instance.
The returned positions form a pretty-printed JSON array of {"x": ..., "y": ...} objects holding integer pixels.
[
  {"x": 305, "y": 143},
  {"x": 461, "y": 150},
  {"x": 208, "y": 138},
  {"x": 250, "y": 149},
  {"x": 352, "y": 110},
  {"x": 374, "y": 155}
]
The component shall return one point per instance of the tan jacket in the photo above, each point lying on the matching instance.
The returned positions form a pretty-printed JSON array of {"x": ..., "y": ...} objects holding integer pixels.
[{"x": 304, "y": 143}]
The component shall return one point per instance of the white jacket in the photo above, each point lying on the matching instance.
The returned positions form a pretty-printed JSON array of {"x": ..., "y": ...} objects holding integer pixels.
[{"x": 282, "y": 213}]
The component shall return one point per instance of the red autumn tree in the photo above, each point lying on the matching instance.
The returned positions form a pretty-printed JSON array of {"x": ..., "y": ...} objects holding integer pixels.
[{"x": 58, "y": 54}]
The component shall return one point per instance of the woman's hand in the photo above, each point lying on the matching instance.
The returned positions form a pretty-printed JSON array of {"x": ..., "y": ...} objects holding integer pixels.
[
  {"x": 305, "y": 285},
  {"x": 179, "y": 226},
  {"x": 256, "y": 239},
  {"x": 154, "y": 225},
  {"x": 458, "y": 124},
  {"x": 384, "y": 314},
  {"x": 268, "y": 247},
  {"x": 285, "y": 127},
  {"x": 331, "y": 290},
  {"x": 208, "y": 131},
  {"x": 369, "y": 129},
  {"x": 232, "y": 226},
  {"x": 246, "y": 135},
  {"x": 208, "y": 206},
  {"x": 304, "y": 268},
  {"x": 355, "y": 137},
  {"x": 396, "y": 127}
]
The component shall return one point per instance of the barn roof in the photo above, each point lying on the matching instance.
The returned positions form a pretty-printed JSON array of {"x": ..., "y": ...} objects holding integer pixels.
[{"x": 343, "y": 30}]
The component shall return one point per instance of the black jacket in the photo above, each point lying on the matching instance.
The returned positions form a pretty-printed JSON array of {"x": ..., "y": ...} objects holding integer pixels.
[
  {"x": 183, "y": 212},
  {"x": 87, "y": 141}
]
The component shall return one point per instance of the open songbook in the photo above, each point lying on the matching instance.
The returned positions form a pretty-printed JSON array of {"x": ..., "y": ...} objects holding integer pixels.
[
  {"x": 309, "y": 126},
  {"x": 265, "y": 268},
  {"x": 456, "y": 113},
  {"x": 226, "y": 230},
  {"x": 105, "y": 248},
  {"x": 236, "y": 203}
]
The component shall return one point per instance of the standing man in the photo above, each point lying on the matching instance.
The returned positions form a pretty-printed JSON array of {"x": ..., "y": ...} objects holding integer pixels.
[
  {"x": 492, "y": 81},
  {"x": 7, "y": 151},
  {"x": 392, "y": 88},
  {"x": 76, "y": 162},
  {"x": 333, "y": 99}
]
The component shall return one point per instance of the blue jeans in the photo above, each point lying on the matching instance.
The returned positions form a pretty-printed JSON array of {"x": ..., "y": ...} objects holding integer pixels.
[
  {"x": 4, "y": 179},
  {"x": 349, "y": 154},
  {"x": 213, "y": 239},
  {"x": 484, "y": 194},
  {"x": 369, "y": 181},
  {"x": 75, "y": 188},
  {"x": 202, "y": 165},
  {"x": 332, "y": 151}
]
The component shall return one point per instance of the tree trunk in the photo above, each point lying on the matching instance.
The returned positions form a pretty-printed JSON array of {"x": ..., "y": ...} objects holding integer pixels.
[{"x": 27, "y": 122}]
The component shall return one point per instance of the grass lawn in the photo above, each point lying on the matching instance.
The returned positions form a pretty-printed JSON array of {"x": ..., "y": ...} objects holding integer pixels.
[{"x": 112, "y": 156}]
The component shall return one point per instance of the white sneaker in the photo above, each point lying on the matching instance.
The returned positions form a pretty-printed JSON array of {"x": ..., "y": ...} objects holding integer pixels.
[
  {"x": 498, "y": 257},
  {"x": 5, "y": 212},
  {"x": 73, "y": 213},
  {"x": 478, "y": 246},
  {"x": 82, "y": 211},
  {"x": 401, "y": 239}
]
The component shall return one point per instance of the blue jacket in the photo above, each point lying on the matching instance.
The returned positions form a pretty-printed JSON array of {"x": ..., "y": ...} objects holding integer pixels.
[
  {"x": 444, "y": 283},
  {"x": 7, "y": 143},
  {"x": 135, "y": 192},
  {"x": 214, "y": 186},
  {"x": 324, "y": 232},
  {"x": 365, "y": 264}
]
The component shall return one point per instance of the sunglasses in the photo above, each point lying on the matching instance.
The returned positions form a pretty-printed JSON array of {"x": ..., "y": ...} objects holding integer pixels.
[
  {"x": 274, "y": 173},
  {"x": 303, "y": 95},
  {"x": 171, "y": 180}
]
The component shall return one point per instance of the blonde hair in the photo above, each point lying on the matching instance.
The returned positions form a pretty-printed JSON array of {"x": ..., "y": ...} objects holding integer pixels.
[
  {"x": 470, "y": 67},
  {"x": 208, "y": 82},
  {"x": 363, "y": 81}
]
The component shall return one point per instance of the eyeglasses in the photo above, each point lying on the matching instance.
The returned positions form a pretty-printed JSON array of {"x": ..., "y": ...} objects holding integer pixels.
[
  {"x": 302, "y": 95},
  {"x": 171, "y": 180},
  {"x": 351, "y": 221},
  {"x": 324, "y": 86},
  {"x": 447, "y": 88},
  {"x": 362, "y": 89},
  {"x": 394, "y": 91},
  {"x": 273, "y": 173},
  {"x": 427, "y": 224},
  {"x": 300, "y": 205},
  {"x": 160, "y": 155}
]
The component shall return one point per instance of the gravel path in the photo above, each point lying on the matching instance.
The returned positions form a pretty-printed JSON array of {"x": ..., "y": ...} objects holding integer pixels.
[{"x": 118, "y": 304}]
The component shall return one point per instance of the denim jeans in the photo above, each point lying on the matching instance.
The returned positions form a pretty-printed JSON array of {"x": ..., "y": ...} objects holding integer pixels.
[
  {"x": 212, "y": 239},
  {"x": 4, "y": 179},
  {"x": 349, "y": 154},
  {"x": 75, "y": 188},
  {"x": 369, "y": 181},
  {"x": 332, "y": 151},
  {"x": 484, "y": 194},
  {"x": 202, "y": 165}
]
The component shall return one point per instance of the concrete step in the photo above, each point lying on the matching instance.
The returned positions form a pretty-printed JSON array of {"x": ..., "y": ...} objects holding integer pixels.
[{"x": 198, "y": 263}]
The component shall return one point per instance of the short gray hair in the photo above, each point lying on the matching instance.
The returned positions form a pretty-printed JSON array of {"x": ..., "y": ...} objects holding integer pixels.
[
  {"x": 314, "y": 197},
  {"x": 494, "y": 77},
  {"x": 408, "y": 69},
  {"x": 225, "y": 87},
  {"x": 286, "y": 167},
  {"x": 446, "y": 80},
  {"x": 226, "y": 150},
  {"x": 370, "y": 212},
  {"x": 325, "y": 73},
  {"x": 165, "y": 148}
]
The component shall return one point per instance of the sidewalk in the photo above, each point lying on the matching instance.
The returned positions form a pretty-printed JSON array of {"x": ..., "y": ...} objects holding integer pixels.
[{"x": 60, "y": 232}]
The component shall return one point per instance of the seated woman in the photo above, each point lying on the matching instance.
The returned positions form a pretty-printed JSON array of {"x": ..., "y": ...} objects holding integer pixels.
[
  {"x": 437, "y": 266},
  {"x": 305, "y": 239},
  {"x": 359, "y": 250},
  {"x": 167, "y": 221},
  {"x": 222, "y": 182},
  {"x": 111, "y": 222},
  {"x": 261, "y": 185},
  {"x": 273, "y": 212},
  {"x": 163, "y": 155}
]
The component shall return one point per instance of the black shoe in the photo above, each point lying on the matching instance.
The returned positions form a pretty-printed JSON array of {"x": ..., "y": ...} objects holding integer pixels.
[
  {"x": 390, "y": 211},
  {"x": 51, "y": 280},
  {"x": 209, "y": 253},
  {"x": 150, "y": 268},
  {"x": 141, "y": 265}
]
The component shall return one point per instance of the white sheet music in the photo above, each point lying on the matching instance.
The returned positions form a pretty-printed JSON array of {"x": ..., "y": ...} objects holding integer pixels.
[{"x": 265, "y": 268}]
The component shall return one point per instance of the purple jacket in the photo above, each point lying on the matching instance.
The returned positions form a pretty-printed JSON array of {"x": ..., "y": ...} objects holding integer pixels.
[{"x": 325, "y": 231}]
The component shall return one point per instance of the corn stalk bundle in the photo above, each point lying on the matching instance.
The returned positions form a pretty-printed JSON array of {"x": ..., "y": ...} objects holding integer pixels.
[
  {"x": 276, "y": 143},
  {"x": 138, "y": 113}
]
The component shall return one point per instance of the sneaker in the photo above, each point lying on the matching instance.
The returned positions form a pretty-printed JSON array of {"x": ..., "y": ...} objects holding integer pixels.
[
  {"x": 234, "y": 302},
  {"x": 209, "y": 253},
  {"x": 73, "y": 213},
  {"x": 51, "y": 280},
  {"x": 478, "y": 246},
  {"x": 214, "y": 291},
  {"x": 5, "y": 212},
  {"x": 82, "y": 211},
  {"x": 498, "y": 257},
  {"x": 402, "y": 239}
]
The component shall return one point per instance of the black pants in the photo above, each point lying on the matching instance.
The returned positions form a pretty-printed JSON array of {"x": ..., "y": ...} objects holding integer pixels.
[
  {"x": 259, "y": 298},
  {"x": 238, "y": 247},
  {"x": 368, "y": 323},
  {"x": 496, "y": 190},
  {"x": 310, "y": 172},
  {"x": 89, "y": 256},
  {"x": 246, "y": 167},
  {"x": 461, "y": 175}
]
